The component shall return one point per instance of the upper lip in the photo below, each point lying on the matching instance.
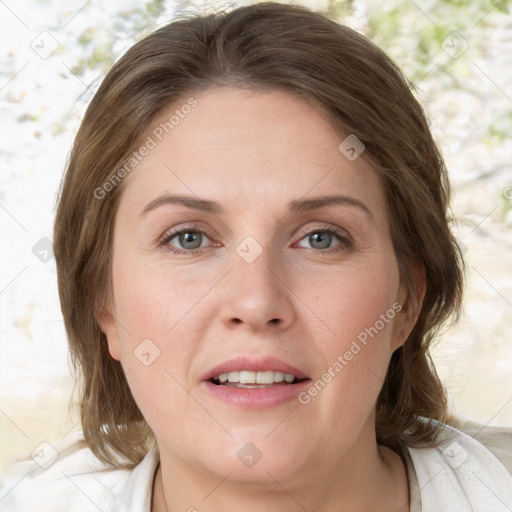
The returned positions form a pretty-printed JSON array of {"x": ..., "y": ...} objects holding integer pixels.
[{"x": 254, "y": 365}]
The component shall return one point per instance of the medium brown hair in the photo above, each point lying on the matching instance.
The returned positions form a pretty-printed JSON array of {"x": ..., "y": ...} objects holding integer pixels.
[{"x": 362, "y": 92}]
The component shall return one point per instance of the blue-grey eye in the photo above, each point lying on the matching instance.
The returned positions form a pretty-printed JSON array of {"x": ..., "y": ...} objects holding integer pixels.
[
  {"x": 320, "y": 239},
  {"x": 189, "y": 239}
]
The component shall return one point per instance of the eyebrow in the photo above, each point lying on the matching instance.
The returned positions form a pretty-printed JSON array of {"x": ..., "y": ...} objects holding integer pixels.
[
  {"x": 188, "y": 201},
  {"x": 296, "y": 206},
  {"x": 303, "y": 205}
]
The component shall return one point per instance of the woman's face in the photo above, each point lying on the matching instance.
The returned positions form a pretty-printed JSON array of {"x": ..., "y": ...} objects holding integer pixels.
[{"x": 284, "y": 265}]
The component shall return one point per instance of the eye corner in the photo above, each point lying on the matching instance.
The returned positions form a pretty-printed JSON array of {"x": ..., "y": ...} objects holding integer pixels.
[
  {"x": 345, "y": 241},
  {"x": 164, "y": 241}
]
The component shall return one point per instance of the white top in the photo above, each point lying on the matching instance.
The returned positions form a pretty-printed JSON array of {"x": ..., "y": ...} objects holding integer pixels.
[{"x": 458, "y": 475}]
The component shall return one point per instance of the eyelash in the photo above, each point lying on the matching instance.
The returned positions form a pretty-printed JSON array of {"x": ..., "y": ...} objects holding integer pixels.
[
  {"x": 344, "y": 239},
  {"x": 169, "y": 235}
]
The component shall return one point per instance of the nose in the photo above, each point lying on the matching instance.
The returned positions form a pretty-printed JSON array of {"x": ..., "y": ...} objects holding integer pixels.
[{"x": 256, "y": 295}]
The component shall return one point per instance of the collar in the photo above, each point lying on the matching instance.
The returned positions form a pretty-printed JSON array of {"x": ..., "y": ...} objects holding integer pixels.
[
  {"x": 456, "y": 474},
  {"x": 136, "y": 491}
]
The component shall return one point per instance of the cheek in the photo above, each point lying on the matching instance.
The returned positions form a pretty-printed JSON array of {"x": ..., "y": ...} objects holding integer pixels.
[
  {"x": 358, "y": 305},
  {"x": 164, "y": 313},
  {"x": 154, "y": 298},
  {"x": 157, "y": 340},
  {"x": 352, "y": 298}
]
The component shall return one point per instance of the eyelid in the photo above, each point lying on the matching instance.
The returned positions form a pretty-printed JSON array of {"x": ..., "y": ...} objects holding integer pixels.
[
  {"x": 342, "y": 233},
  {"x": 176, "y": 230},
  {"x": 345, "y": 240}
]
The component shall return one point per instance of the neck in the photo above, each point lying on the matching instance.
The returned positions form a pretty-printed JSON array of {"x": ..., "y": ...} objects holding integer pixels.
[{"x": 360, "y": 485}]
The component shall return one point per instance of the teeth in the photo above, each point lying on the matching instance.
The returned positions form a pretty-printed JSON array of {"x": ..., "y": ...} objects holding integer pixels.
[
  {"x": 234, "y": 377},
  {"x": 264, "y": 377},
  {"x": 288, "y": 377},
  {"x": 278, "y": 376},
  {"x": 247, "y": 377}
]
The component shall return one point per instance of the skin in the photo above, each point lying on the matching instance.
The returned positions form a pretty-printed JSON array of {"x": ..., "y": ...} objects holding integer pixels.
[{"x": 253, "y": 152}]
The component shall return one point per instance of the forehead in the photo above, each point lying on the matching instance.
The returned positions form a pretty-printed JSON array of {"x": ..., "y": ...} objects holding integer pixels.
[{"x": 263, "y": 148}]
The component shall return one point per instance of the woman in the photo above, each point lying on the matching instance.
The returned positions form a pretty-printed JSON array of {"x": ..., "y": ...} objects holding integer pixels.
[{"x": 253, "y": 258}]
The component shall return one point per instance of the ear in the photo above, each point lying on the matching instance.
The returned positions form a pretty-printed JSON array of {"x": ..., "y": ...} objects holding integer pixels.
[
  {"x": 411, "y": 302},
  {"x": 108, "y": 326}
]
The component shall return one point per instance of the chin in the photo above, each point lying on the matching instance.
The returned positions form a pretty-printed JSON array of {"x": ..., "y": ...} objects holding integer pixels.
[{"x": 261, "y": 461}]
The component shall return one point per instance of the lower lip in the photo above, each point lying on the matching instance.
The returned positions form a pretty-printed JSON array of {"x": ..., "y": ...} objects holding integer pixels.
[{"x": 257, "y": 398}]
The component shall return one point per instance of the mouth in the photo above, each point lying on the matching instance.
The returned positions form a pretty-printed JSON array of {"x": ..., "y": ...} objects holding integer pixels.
[
  {"x": 255, "y": 383},
  {"x": 255, "y": 380}
]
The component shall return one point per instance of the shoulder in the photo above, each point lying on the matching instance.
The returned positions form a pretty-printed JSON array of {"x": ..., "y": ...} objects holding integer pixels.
[
  {"x": 460, "y": 473},
  {"x": 496, "y": 439},
  {"x": 64, "y": 476}
]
